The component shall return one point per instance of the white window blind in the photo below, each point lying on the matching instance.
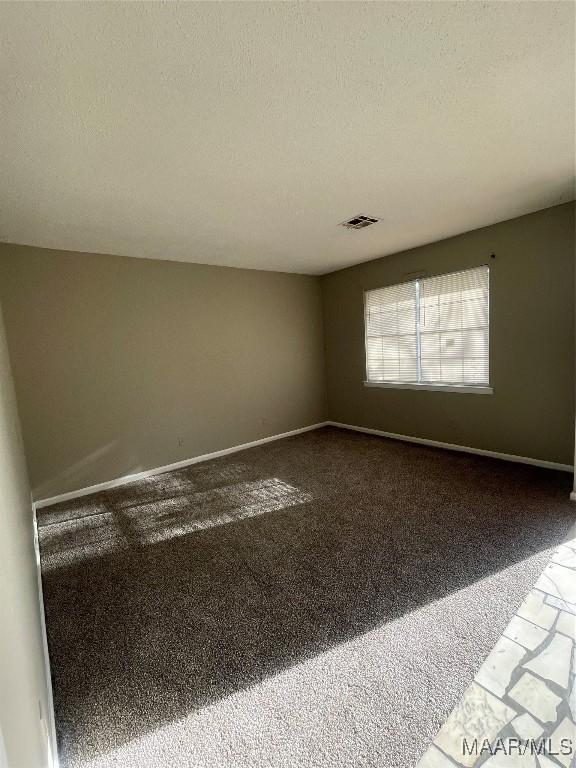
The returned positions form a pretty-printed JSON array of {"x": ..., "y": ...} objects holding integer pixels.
[{"x": 430, "y": 331}]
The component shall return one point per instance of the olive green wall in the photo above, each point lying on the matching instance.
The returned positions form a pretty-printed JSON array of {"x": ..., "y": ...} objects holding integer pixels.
[
  {"x": 24, "y": 696},
  {"x": 123, "y": 364},
  {"x": 531, "y": 412}
]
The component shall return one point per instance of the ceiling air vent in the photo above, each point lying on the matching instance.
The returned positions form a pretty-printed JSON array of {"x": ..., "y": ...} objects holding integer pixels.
[{"x": 359, "y": 222}]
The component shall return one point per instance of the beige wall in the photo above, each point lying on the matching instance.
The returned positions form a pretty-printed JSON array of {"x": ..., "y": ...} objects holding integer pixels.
[
  {"x": 23, "y": 693},
  {"x": 125, "y": 364},
  {"x": 531, "y": 412}
]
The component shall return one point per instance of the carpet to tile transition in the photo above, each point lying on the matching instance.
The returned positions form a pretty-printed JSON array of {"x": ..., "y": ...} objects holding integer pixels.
[{"x": 321, "y": 601}]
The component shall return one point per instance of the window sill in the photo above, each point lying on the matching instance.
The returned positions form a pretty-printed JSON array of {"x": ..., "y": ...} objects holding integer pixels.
[{"x": 469, "y": 389}]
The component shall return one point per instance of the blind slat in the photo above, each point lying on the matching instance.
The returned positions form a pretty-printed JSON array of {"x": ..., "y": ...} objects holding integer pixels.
[{"x": 433, "y": 330}]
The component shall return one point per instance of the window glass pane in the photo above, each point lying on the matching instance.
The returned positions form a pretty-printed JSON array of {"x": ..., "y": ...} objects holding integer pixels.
[
  {"x": 444, "y": 319},
  {"x": 450, "y": 315},
  {"x": 475, "y": 313},
  {"x": 374, "y": 348},
  {"x": 389, "y": 347},
  {"x": 429, "y": 314},
  {"x": 406, "y": 319},
  {"x": 408, "y": 370},
  {"x": 407, "y": 347},
  {"x": 430, "y": 345},
  {"x": 451, "y": 371},
  {"x": 450, "y": 344},
  {"x": 389, "y": 371},
  {"x": 391, "y": 333},
  {"x": 430, "y": 370},
  {"x": 475, "y": 371},
  {"x": 455, "y": 305}
]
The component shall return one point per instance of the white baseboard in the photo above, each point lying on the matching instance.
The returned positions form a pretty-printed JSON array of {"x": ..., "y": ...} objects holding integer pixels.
[
  {"x": 234, "y": 449},
  {"x": 169, "y": 467},
  {"x": 462, "y": 448},
  {"x": 50, "y": 717}
]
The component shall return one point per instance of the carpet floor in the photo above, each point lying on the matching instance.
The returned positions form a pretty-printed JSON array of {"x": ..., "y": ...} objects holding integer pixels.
[{"x": 320, "y": 601}]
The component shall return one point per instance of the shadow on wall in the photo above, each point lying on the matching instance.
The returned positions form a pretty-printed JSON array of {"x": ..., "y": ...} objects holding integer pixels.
[
  {"x": 110, "y": 458},
  {"x": 167, "y": 595}
]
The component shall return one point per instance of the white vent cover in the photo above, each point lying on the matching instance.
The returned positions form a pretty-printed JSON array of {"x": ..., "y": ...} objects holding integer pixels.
[{"x": 359, "y": 222}]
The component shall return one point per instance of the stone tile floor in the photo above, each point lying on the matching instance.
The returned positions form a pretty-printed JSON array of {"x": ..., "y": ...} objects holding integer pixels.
[{"x": 520, "y": 710}]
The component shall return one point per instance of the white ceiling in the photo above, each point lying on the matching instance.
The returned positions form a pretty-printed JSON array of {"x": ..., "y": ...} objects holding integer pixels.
[{"x": 242, "y": 133}]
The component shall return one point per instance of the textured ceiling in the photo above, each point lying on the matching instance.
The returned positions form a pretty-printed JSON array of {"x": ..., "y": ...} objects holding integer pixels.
[{"x": 243, "y": 133}]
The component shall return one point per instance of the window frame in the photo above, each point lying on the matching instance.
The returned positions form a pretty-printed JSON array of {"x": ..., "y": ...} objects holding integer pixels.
[{"x": 465, "y": 388}]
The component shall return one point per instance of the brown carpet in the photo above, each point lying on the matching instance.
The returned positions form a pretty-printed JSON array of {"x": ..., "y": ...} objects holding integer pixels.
[{"x": 318, "y": 601}]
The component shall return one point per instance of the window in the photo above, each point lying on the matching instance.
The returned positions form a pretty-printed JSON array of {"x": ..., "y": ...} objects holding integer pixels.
[{"x": 431, "y": 333}]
